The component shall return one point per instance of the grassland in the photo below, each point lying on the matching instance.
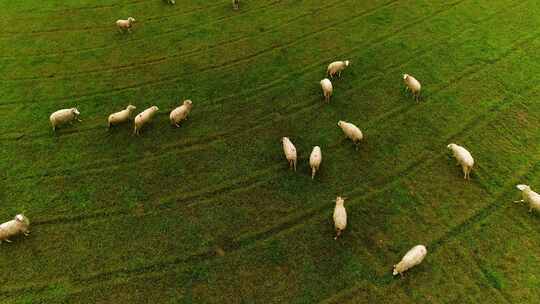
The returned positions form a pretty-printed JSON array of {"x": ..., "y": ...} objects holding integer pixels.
[{"x": 209, "y": 213}]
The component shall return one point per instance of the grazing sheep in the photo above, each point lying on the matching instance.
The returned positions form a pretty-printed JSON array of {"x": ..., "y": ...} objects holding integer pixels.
[
  {"x": 125, "y": 24},
  {"x": 530, "y": 197},
  {"x": 171, "y": 2},
  {"x": 290, "y": 152},
  {"x": 412, "y": 258},
  {"x": 351, "y": 131},
  {"x": 64, "y": 116},
  {"x": 464, "y": 158},
  {"x": 19, "y": 225},
  {"x": 337, "y": 67},
  {"x": 122, "y": 116},
  {"x": 412, "y": 84},
  {"x": 327, "y": 89},
  {"x": 180, "y": 113},
  {"x": 340, "y": 216},
  {"x": 315, "y": 160},
  {"x": 236, "y": 4},
  {"x": 144, "y": 117}
]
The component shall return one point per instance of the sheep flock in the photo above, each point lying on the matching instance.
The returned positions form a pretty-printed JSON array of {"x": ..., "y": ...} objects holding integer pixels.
[{"x": 336, "y": 73}]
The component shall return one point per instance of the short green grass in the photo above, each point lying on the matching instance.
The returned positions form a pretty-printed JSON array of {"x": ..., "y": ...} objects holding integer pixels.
[{"x": 209, "y": 212}]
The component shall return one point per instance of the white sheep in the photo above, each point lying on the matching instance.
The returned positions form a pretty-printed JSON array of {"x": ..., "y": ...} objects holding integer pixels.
[
  {"x": 337, "y": 67},
  {"x": 64, "y": 116},
  {"x": 122, "y": 116},
  {"x": 315, "y": 160},
  {"x": 290, "y": 152},
  {"x": 412, "y": 84},
  {"x": 19, "y": 225},
  {"x": 236, "y": 4},
  {"x": 171, "y": 2},
  {"x": 351, "y": 131},
  {"x": 530, "y": 197},
  {"x": 413, "y": 257},
  {"x": 125, "y": 24},
  {"x": 181, "y": 113},
  {"x": 144, "y": 117},
  {"x": 464, "y": 158},
  {"x": 327, "y": 89},
  {"x": 340, "y": 216}
]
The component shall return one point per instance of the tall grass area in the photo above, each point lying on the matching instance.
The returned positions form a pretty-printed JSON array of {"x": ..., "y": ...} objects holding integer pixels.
[{"x": 209, "y": 212}]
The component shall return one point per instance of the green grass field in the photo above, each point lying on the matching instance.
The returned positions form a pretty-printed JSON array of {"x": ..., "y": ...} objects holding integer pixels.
[{"x": 209, "y": 212}]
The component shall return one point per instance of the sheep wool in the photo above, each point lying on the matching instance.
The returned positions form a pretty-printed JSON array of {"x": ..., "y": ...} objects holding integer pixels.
[
  {"x": 315, "y": 160},
  {"x": 122, "y": 116},
  {"x": 64, "y": 116},
  {"x": 413, "y": 257},
  {"x": 290, "y": 152},
  {"x": 530, "y": 197},
  {"x": 19, "y": 225},
  {"x": 125, "y": 24},
  {"x": 181, "y": 113},
  {"x": 327, "y": 89},
  {"x": 144, "y": 117},
  {"x": 340, "y": 216},
  {"x": 412, "y": 84},
  {"x": 464, "y": 159},
  {"x": 351, "y": 131},
  {"x": 337, "y": 67}
]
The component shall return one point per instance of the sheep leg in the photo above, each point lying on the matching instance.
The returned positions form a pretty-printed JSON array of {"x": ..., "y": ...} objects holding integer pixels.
[
  {"x": 338, "y": 233},
  {"x": 7, "y": 240},
  {"x": 294, "y": 165},
  {"x": 27, "y": 233},
  {"x": 313, "y": 171},
  {"x": 177, "y": 125},
  {"x": 530, "y": 210},
  {"x": 520, "y": 201}
]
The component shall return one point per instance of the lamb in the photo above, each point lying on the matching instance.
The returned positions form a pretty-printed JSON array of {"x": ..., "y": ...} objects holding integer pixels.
[
  {"x": 144, "y": 117},
  {"x": 327, "y": 89},
  {"x": 464, "y": 158},
  {"x": 122, "y": 116},
  {"x": 290, "y": 152},
  {"x": 336, "y": 67},
  {"x": 412, "y": 84},
  {"x": 413, "y": 257},
  {"x": 19, "y": 225},
  {"x": 236, "y": 4},
  {"x": 530, "y": 197},
  {"x": 125, "y": 24},
  {"x": 180, "y": 113},
  {"x": 351, "y": 131},
  {"x": 315, "y": 160},
  {"x": 340, "y": 216},
  {"x": 64, "y": 116}
]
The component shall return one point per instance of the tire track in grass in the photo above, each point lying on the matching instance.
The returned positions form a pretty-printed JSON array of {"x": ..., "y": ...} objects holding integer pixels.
[
  {"x": 162, "y": 59},
  {"x": 151, "y": 18},
  {"x": 154, "y": 36},
  {"x": 206, "y": 69},
  {"x": 186, "y": 54},
  {"x": 461, "y": 228},
  {"x": 242, "y": 242},
  {"x": 370, "y": 123}
]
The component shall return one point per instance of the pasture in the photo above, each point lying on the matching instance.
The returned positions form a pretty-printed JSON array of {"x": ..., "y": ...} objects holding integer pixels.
[{"x": 209, "y": 212}]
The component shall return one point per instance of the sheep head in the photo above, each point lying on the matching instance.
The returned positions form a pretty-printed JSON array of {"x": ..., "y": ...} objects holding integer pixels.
[
  {"x": 451, "y": 146},
  {"x": 155, "y": 108},
  {"x": 75, "y": 111},
  {"x": 340, "y": 200},
  {"x": 131, "y": 20},
  {"x": 188, "y": 102},
  {"x": 405, "y": 76},
  {"x": 340, "y": 123},
  {"x": 523, "y": 187},
  {"x": 347, "y": 63},
  {"x": 131, "y": 108}
]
